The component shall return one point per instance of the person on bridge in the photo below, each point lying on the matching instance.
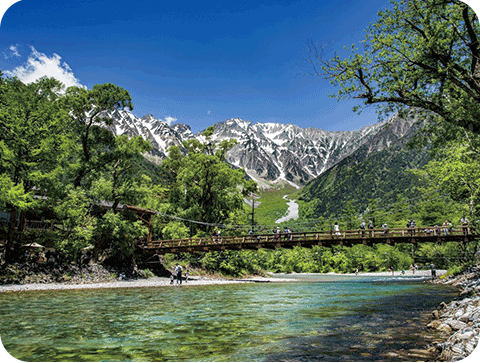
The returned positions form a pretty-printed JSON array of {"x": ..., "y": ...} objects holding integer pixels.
[
  {"x": 385, "y": 229},
  {"x": 464, "y": 222},
  {"x": 411, "y": 224},
  {"x": 445, "y": 227},
  {"x": 362, "y": 227},
  {"x": 336, "y": 228},
  {"x": 278, "y": 232}
]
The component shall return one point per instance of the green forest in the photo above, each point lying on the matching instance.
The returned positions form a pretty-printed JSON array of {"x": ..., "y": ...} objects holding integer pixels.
[{"x": 60, "y": 165}]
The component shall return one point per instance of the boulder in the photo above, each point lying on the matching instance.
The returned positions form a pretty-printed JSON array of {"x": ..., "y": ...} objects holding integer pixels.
[{"x": 456, "y": 324}]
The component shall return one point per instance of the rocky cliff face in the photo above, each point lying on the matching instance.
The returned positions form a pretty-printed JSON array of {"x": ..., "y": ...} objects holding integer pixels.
[
  {"x": 158, "y": 132},
  {"x": 268, "y": 152},
  {"x": 277, "y": 152}
]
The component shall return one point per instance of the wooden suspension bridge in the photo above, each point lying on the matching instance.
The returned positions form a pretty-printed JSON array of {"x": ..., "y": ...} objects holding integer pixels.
[{"x": 308, "y": 240}]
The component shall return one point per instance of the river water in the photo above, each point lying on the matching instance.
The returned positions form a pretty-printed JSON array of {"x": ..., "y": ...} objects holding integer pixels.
[{"x": 312, "y": 318}]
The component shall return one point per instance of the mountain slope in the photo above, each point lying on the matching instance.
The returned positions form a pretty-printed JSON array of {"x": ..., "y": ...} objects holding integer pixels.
[
  {"x": 277, "y": 152},
  {"x": 379, "y": 169},
  {"x": 270, "y": 153}
]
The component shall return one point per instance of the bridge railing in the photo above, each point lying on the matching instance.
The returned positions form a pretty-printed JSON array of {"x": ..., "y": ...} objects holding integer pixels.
[{"x": 310, "y": 236}]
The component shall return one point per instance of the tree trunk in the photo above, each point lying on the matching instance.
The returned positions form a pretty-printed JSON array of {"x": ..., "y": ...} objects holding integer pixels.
[
  {"x": 22, "y": 221},
  {"x": 9, "y": 244}
]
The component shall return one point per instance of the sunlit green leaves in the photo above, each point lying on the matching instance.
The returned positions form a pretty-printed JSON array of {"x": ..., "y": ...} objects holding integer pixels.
[
  {"x": 422, "y": 54},
  {"x": 202, "y": 186}
]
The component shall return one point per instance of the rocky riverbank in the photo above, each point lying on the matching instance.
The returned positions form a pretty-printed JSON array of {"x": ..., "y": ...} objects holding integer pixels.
[
  {"x": 28, "y": 277},
  {"x": 460, "y": 319},
  {"x": 52, "y": 272}
]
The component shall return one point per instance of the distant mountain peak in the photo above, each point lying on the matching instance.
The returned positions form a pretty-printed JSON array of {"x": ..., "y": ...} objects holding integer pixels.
[{"x": 269, "y": 152}]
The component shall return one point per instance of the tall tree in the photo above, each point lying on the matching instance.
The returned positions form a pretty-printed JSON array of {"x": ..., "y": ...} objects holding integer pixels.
[
  {"x": 32, "y": 126},
  {"x": 202, "y": 186},
  {"x": 423, "y": 54},
  {"x": 122, "y": 180},
  {"x": 454, "y": 172},
  {"x": 88, "y": 111}
]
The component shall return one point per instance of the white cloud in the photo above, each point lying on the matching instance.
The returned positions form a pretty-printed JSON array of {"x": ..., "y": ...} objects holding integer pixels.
[
  {"x": 39, "y": 65},
  {"x": 169, "y": 120},
  {"x": 209, "y": 112},
  {"x": 14, "y": 50}
]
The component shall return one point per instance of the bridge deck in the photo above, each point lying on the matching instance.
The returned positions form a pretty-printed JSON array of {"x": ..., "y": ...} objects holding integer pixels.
[{"x": 306, "y": 239}]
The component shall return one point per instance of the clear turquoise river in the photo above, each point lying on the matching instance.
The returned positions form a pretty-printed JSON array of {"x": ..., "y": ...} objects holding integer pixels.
[{"x": 313, "y": 318}]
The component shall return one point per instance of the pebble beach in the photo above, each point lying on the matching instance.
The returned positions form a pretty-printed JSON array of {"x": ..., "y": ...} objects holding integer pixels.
[{"x": 192, "y": 281}]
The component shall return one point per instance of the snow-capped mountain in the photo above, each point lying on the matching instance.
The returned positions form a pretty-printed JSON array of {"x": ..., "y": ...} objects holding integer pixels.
[
  {"x": 160, "y": 134},
  {"x": 268, "y": 152},
  {"x": 278, "y": 152}
]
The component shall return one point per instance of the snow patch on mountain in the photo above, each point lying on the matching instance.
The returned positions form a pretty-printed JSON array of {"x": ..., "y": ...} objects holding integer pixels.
[{"x": 270, "y": 152}]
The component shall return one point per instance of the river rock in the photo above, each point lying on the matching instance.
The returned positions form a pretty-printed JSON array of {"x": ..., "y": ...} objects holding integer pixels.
[
  {"x": 435, "y": 324},
  {"x": 445, "y": 328},
  {"x": 456, "y": 324},
  {"x": 460, "y": 319}
]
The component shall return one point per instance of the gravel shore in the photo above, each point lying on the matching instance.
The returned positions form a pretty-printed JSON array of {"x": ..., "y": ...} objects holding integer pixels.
[
  {"x": 130, "y": 283},
  {"x": 192, "y": 281}
]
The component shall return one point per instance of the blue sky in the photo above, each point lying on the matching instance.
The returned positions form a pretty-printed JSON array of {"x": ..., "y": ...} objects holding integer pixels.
[{"x": 196, "y": 63}]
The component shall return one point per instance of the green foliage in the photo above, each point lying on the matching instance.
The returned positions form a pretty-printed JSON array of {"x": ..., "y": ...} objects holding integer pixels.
[
  {"x": 361, "y": 178},
  {"x": 419, "y": 53},
  {"x": 175, "y": 230},
  {"x": 120, "y": 233},
  {"x": 421, "y": 58},
  {"x": 201, "y": 186},
  {"x": 55, "y": 145},
  {"x": 12, "y": 194},
  {"x": 32, "y": 126},
  {"x": 449, "y": 255},
  {"x": 455, "y": 172},
  {"x": 93, "y": 143},
  {"x": 78, "y": 227}
]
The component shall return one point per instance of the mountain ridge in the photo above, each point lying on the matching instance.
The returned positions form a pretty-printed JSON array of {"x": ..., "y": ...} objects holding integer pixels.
[{"x": 270, "y": 153}]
